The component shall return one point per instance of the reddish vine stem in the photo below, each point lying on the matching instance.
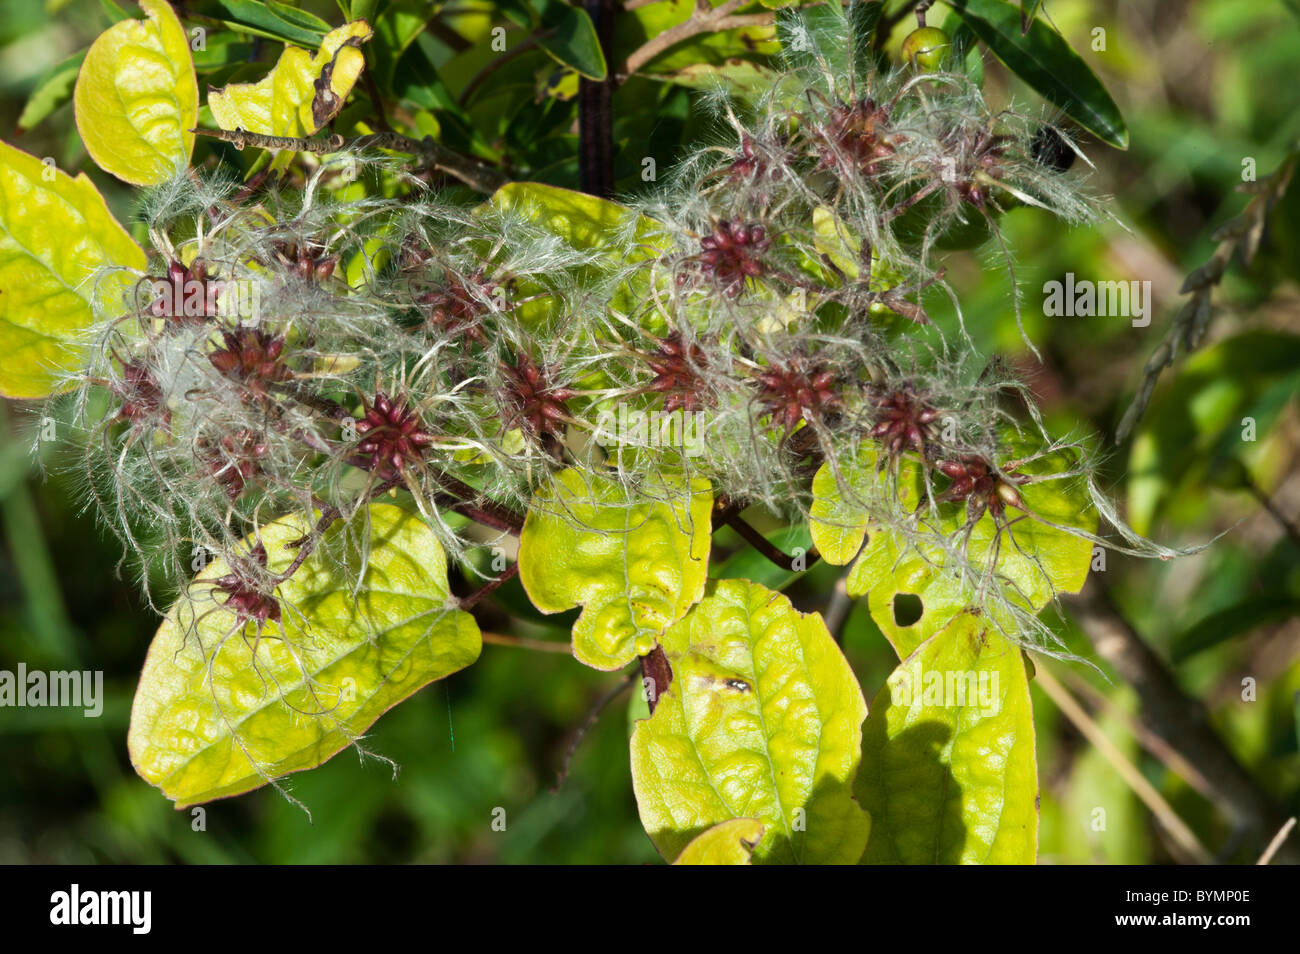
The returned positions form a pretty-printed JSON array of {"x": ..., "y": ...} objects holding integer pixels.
[
  {"x": 764, "y": 546},
  {"x": 306, "y": 544},
  {"x": 509, "y": 573}
]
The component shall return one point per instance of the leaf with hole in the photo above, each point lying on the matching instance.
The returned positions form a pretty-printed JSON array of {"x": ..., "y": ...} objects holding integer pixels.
[{"x": 1022, "y": 556}]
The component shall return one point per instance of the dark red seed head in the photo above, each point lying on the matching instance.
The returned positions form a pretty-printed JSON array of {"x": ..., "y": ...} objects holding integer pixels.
[
  {"x": 731, "y": 254},
  {"x": 904, "y": 421},
  {"x": 534, "y": 404},
  {"x": 142, "y": 398},
  {"x": 677, "y": 366},
  {"x": 392, "y": 437},
  {"x": 249, "y": 599},
  {"x": 800, "y": 389},
  {"x": 252, "y": 357}
]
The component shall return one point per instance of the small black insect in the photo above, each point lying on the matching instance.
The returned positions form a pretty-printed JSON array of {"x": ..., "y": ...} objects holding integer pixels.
[{"x": 1050, "y": 149}]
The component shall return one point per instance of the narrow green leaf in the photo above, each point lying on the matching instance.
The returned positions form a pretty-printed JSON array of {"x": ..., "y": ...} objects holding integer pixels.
[
  {"x": 137, "y": 97},
  {"x": 948, "y": 772},
  {"x": 1243, "y": 617},
  {"x": 569, "y": 36},
  {"x": 56, "y": 233},
  {"x": 53, "y": 90},
  {"x": 274, "y": 23},
  {"x": 634, "y": 567},
  {"x": 727, "y": 843},
  {"x": 1043, "y": 59},
  {"x": 222, "y": 709},
  {"x": 762, "y": 720}
]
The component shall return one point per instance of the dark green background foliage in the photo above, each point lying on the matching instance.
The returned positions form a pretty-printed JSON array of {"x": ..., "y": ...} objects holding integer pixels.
[{"x": 1202, "y": 87}]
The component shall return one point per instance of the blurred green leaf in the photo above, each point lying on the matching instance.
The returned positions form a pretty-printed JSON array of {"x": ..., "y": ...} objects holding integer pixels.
[
  {"x": 1043, "y": 59},
  {"x": 568, "y": 35},
  {"x": 1198, "y": 418},
  {"x": 1225, "y": 624},
  {"x": 53, "y": 90}
]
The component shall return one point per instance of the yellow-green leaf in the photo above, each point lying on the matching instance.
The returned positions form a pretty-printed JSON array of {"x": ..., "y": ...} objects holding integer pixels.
[
  {"x": 137, "y": 97},
  {"x": 221, "y": 709},
  {"x": 948, "y": 772},
  {"x": 302, "y": 93},
  {"x": 1031, "y": 561},
  {"x": 56, "y": 234},
  {"x": 634, "y": 566},
  {"x": 727, "y": 843},
  {"x": 762, "y": 720}
]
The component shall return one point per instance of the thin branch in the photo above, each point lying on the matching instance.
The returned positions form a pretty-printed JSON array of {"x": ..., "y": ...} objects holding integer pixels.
[
  {"x": 1176, "y": 719},
  {"x": 601, "y": 705},
  {"x": 1241, "y": 234},
  {"x": 704, "y": 19},
  {"x": 1188, "y": 846},
  {"x": 767, "y": 548},
  {"x": 1276, "y": 843},
  {"x": 523, "y": 642},
  {"x": 508, "y": 574},
  {"x": 475, "y": 174},
  {"x": 1286, "y": 523}
]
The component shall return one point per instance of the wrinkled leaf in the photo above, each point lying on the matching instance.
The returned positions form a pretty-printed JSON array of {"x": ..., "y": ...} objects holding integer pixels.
[
  {"x": 762, "y": 720},
  {"x": 137, "y": 97},
  {"x": 589, "y": 224},
  {"x": 301, "y": 94},
  {"x": 634, "y": 566},
  {"x": 1042, "y": 58},
  {"x": 221, "y": 709},
  {"x": 727, "y": 843},
  {"x": 55, "y": 234},
  {"x": 948, "y": 771}
]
